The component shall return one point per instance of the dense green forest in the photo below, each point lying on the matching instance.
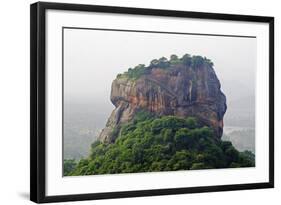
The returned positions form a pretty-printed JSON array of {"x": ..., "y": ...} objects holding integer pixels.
[{"x": 166, "y": 143}]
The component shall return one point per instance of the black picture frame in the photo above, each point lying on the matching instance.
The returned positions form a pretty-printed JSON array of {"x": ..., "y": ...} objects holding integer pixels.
[{"x": 38, "y": 101}]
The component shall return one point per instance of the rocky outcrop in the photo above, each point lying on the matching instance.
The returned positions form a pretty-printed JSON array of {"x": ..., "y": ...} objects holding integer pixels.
[{"x": 178, "y": 90}]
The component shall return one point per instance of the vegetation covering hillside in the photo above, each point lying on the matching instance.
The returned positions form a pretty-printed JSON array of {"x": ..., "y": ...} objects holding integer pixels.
[
  {"x": 163, "y": 63},
  {"x": 166, "y": 143}
]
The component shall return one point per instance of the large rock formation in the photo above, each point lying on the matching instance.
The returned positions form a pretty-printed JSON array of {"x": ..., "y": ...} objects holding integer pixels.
[{"x": 180, "y": 89}]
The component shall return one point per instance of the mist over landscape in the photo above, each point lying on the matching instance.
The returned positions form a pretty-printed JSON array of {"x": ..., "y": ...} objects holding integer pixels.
[{"x": 93, "y": 59}]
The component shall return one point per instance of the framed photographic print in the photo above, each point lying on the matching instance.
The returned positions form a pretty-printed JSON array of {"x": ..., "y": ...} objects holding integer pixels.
[{"x": 129, "y": 102}]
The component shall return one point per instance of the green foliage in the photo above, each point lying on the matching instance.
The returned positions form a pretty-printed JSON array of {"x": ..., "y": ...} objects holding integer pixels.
[
  {"x": 163, "y": 62},
  {"x": 174, "y": 59},
  {"x": 68, "y": 166},
  {"x": 160, "y": 63},
  {"x": 208, "y": 61},
  {"x": 142, "y": 115},
  {"x": 154, "y": 63},
  {"x": 138, "y": 71},
  {"x": 151, "y": 143},
  {"x": 186, "y": 60},
  {"x": 197, "y": 61},
  {"x": 200, "y": 165}
]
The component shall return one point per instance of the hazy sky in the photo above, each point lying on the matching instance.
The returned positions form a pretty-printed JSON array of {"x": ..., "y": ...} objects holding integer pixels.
[{"x": 92, "y": 59}]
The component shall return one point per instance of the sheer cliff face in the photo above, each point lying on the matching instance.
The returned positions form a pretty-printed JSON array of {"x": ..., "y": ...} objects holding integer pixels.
[{"x": 178, "y": 90}]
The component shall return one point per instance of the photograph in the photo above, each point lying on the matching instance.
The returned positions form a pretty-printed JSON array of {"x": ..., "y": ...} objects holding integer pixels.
[
  {"x": 139, "y": 101},
  {"x": 134, "y": 102}
]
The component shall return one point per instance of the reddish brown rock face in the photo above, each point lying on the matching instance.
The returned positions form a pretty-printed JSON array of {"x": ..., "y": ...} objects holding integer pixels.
[{"x": 179, "y": 90}]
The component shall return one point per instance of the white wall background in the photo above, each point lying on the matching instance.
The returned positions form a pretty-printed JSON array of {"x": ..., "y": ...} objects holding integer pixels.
[{"x": 14, "y": 103}]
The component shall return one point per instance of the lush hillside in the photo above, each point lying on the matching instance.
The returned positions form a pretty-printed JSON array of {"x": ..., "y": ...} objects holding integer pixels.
[{"x": 166, "y": 143}]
